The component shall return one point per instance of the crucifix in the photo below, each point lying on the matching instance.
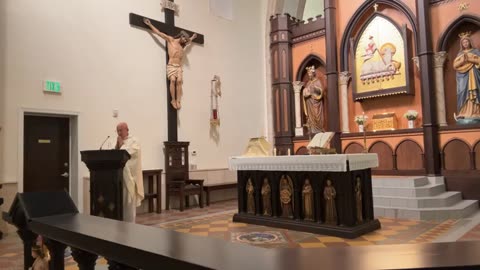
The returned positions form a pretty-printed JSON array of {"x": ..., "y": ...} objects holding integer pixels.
[{"x": 171, "y": 34}]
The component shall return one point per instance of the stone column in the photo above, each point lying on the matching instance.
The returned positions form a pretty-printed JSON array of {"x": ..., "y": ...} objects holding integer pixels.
[
  {"x": 297, "y": 88},
  {"x": 439, "y": 59},
  {"x": 344, "y": 79}
]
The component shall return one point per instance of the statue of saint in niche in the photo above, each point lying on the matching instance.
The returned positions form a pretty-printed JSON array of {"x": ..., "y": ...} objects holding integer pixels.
[
  {"x": 266, "y": 198},
  {"x": 358, "y": 199},
  {"x": 329, "y": 195},
  {"x": 307, "y": 198},
  {"x": 313, "y": 94},
  {"x": 250, "y": 197},
  {"x": 286, "y": 192},
  {"x": 467, "y": 65}
]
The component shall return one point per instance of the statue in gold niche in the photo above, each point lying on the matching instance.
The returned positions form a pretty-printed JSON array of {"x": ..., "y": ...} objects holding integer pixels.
[{"x": 286, "y": 192}]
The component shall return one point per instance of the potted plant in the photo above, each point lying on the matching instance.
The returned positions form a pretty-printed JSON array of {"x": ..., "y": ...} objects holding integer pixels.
[
  {"x": 411, "y": 116},
  {"x": 361, "y": 120}
]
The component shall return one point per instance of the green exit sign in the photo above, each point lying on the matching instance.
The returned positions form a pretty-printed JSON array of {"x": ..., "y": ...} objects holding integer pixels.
[{"x": 52, "y": 86}]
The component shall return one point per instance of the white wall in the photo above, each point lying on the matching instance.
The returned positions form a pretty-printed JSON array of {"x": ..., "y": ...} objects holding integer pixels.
[{"x": 104, "y": 64}]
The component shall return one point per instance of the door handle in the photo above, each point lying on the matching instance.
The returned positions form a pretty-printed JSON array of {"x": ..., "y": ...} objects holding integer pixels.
[{"x": 65, "y": 174}]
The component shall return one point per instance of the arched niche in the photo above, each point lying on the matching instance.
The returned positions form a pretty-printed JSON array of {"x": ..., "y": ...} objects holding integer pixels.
[
  {"x": 449, "y": 42},
  {"x": 456, "y": 155},
  {"x": 476, "y": 149},
  {"x": 385, "y": 155},
  {"x": 353, "y": 148},
  {"x": 365, "y": 11},
  {"x": 320, "y": 67},
  {"x": 409, "y": 156}
]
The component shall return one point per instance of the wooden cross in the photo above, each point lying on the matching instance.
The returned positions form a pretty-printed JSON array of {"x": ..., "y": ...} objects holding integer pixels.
[{"x": 170, "y": 29}]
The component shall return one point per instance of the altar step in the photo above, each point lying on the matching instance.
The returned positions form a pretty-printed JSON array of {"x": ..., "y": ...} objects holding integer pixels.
[{"x": 418, "y": 198}]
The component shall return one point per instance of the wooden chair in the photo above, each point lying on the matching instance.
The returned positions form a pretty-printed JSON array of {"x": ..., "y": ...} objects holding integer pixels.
[
  {"x": 177, "y": 180},
  {"x": 154, "y": 179}
]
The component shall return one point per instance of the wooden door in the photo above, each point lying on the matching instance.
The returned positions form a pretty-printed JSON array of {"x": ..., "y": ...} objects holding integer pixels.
[{"x": 46, "y": 153}]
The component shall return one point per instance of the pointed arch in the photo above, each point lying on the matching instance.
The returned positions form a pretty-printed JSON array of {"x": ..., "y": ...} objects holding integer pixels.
[
  {"x": 442, "y": 44},
  {"x": 357, "y": 16},
  {"x": 309, "y": 59}
]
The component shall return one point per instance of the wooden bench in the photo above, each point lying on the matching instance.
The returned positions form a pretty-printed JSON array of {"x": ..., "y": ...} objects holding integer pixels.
[
  {"x": 154, "y": 178},
  {"x": 211, "y": 187}
]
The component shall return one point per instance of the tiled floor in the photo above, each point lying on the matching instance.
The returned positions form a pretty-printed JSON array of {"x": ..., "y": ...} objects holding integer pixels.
[{"x": 216, "y": 221}]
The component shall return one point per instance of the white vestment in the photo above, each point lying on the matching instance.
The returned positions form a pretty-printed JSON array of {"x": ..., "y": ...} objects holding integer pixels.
[{"x": 133, "y": 192}]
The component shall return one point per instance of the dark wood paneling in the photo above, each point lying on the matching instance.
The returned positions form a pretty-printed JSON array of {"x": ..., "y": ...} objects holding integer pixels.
[
  {"x": 282, "y": 96},
  {"x": 409, "y": 156},
  {"x": 353, "y": 148},
  {"x": 468, "y": 184},
  {"x": 427, "y": 82},
  {"x": 333, "y": 108},
  {"x": 385, "y": 155},
  {"x": 456, "y": 155}
]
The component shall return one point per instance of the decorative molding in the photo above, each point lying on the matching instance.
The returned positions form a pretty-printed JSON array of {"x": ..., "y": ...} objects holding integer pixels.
[
  {"x": 309, "y": 36},
  {"x": 440, "y": 2}
]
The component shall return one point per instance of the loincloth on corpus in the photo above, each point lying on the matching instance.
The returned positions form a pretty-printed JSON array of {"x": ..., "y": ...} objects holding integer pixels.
[{"x": 174, "y": 70}]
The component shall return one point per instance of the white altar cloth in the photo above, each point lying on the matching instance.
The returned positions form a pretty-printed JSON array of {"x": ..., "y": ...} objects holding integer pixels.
[{"x": 327, "y": 163}]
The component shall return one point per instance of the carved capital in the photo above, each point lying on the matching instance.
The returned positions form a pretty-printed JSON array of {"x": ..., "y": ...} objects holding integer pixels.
[
  {"x": 344, "y": 77},
  {"x": 416, "y": 61},
  {"x": 297, "y": 86},
  {"x": 439, "y": 58}
]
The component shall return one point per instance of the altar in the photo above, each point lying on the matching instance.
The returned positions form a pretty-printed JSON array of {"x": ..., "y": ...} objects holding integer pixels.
[{"x": 322, "y": 194}]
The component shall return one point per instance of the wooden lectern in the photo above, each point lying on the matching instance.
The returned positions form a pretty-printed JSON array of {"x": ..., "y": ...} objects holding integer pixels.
[{"x": 106, "y": 181}]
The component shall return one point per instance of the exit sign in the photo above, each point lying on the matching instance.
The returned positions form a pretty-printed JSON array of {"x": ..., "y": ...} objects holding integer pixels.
[{"x": 51, "y": 86}]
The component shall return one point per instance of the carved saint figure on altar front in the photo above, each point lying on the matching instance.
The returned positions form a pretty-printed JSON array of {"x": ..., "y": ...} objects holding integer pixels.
[
  {"x": 250, "y": 197},
  {"x": 359, "y": 199},
  {"x": 266, "y": 198},
  {"x": 307, "y": 198},
  {"x": 313, "y": 95},
  {"x": 467, "y": 65},
  {"x": 286, "y": 200},
  {"x": 329, "y": 194}
]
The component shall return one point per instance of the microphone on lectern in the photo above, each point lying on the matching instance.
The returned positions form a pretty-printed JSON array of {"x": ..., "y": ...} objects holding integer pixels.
[{"x": 104, "y": 142}]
